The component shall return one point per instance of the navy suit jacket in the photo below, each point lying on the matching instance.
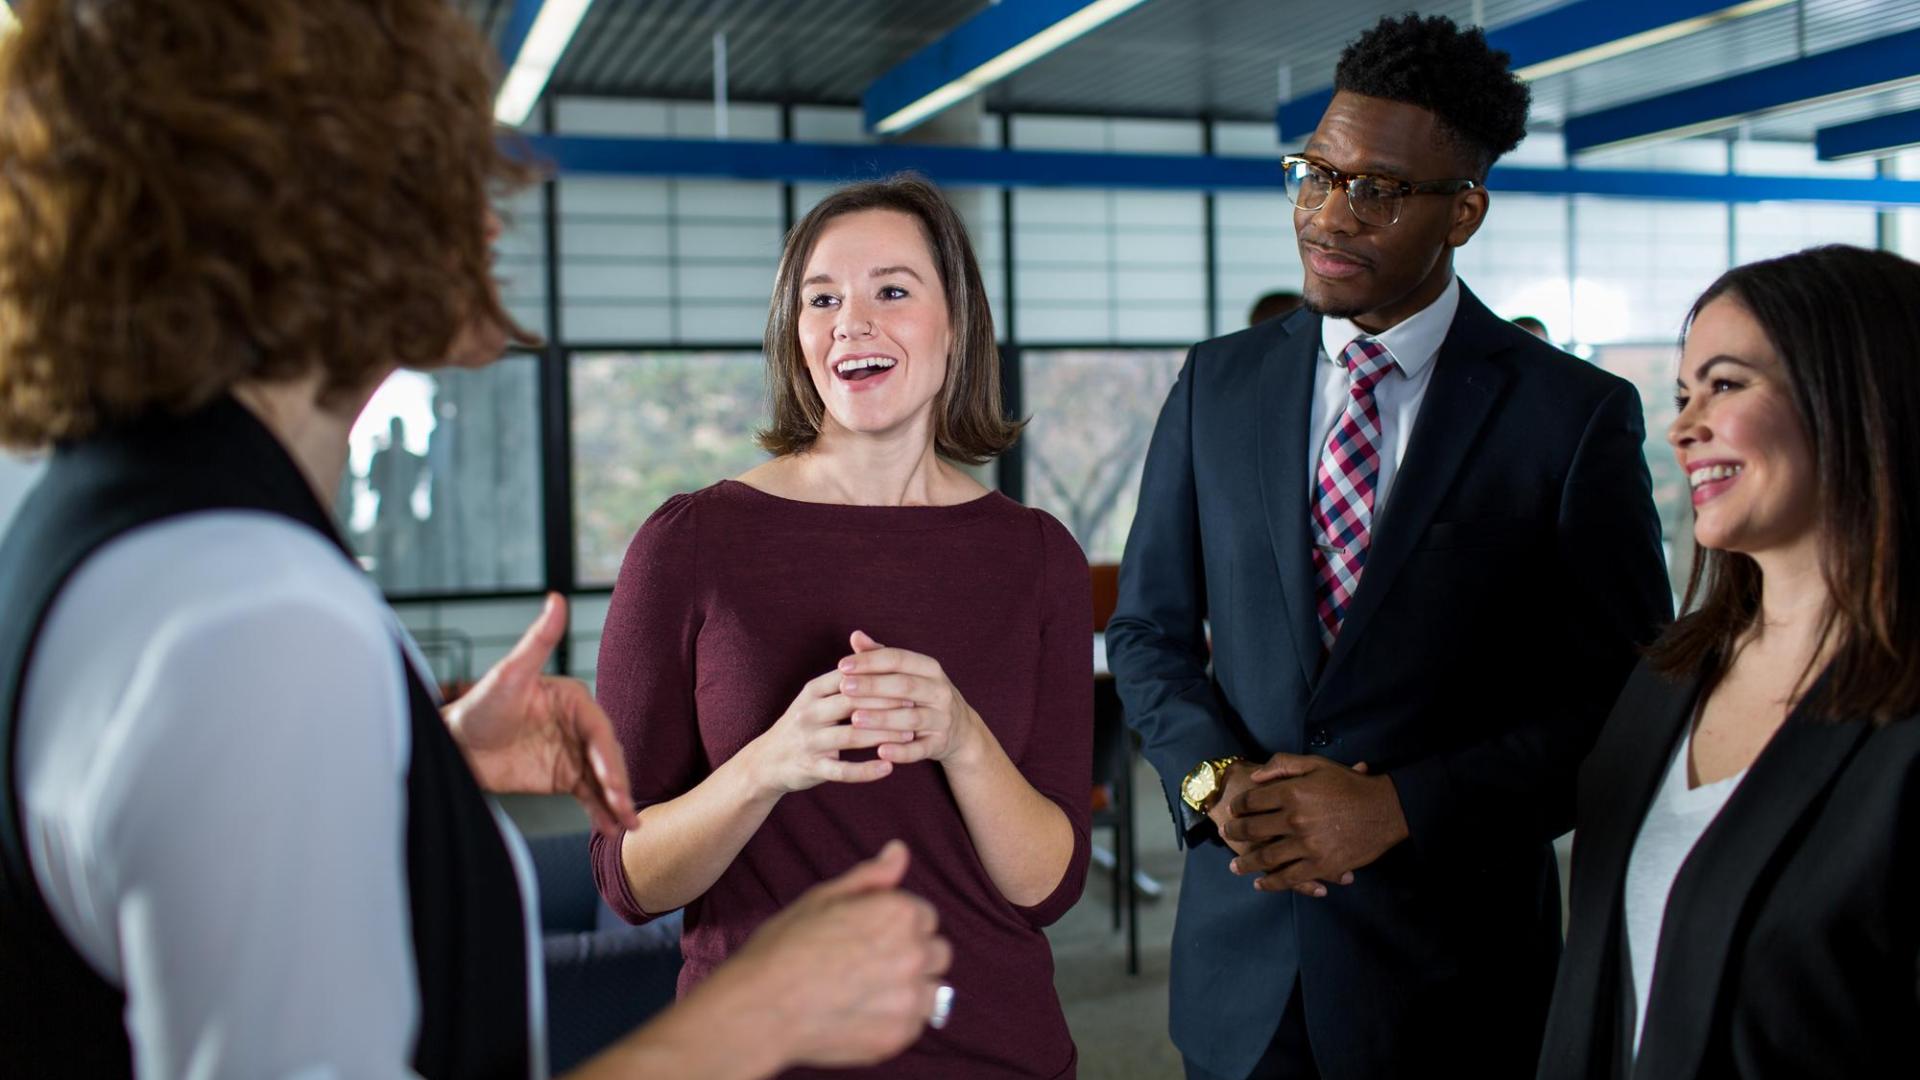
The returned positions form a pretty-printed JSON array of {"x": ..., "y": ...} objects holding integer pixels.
[
  {"x": 1791, "y": 942},
  {"x": 1513, "y": 571}
]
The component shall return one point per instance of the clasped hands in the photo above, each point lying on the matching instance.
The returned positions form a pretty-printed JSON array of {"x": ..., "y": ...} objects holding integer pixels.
[
  {"x": 1299, "y": 822},
  {"x": 896, "y": 702}
]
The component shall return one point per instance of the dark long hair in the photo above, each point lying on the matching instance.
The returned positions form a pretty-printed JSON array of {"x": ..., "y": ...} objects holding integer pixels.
[{"x": 1846, "y": 323}]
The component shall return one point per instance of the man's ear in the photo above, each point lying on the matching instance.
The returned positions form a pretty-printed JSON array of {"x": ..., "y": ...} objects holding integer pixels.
[{"x": 1469, "y": 210}]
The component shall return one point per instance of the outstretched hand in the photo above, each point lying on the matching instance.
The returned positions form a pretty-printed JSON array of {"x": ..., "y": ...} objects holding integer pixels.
[{"x": 526, "y": 732}]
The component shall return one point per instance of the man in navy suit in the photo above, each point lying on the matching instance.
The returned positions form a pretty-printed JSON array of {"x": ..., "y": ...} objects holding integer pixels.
[{"x": 1392, "y": 561}]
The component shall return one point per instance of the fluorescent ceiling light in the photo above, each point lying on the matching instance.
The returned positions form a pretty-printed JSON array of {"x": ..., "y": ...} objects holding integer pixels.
[
  {"x": 1005, "y": 64},
  {"x": 1659, "y": 35},
  {"x": 546, "y": 42}
]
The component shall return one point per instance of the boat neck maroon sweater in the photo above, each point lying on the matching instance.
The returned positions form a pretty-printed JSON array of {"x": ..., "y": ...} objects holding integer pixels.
[{"x": 730, "y": 599}]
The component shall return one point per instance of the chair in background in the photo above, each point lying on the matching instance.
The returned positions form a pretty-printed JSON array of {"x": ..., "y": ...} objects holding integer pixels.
[
  {"x": 604, "y": 977},
  {"x": 1113, "y": 773}
]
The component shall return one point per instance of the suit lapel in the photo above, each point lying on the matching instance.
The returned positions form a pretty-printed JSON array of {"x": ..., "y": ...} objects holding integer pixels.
[
  {"x": 1286, "y": 392},
  {"x": 1617, "y": 785},
  {"x": 1459, "y": 399},
  {"x": 1716, "y": 883}
]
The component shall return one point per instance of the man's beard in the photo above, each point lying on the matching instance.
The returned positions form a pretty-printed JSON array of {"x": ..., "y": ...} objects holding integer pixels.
[{"x": 1331, "y": 311}]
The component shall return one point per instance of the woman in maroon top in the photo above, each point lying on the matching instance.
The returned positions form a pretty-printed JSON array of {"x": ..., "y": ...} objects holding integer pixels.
[{"x": 856, "y": 641}]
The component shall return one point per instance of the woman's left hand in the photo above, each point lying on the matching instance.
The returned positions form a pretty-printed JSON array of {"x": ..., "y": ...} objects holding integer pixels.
[
  {"x": 902, "y": 690},
  {"x": 527, "y": 732}
]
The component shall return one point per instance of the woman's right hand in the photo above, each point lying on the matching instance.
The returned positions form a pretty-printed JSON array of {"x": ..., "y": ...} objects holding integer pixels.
[
  {"x": 848, "y": 972},
  {"x": 802, "y": 748}
]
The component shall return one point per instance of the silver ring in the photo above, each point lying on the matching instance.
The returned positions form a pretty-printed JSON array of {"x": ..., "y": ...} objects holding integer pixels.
[{"x": 942, "y": 1006}]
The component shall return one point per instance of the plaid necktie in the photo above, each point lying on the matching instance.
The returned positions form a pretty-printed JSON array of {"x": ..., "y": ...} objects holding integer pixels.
[{"x": 1344, "y": 483}]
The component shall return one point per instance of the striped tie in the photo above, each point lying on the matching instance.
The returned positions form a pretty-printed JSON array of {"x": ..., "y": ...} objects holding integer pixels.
[{"x": 1343, "y": 498}]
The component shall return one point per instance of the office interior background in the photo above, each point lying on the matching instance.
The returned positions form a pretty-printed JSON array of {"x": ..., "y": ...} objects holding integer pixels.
[
  {"x": 1122, "y": 190},
  {"x": 1124, "y": 200}
]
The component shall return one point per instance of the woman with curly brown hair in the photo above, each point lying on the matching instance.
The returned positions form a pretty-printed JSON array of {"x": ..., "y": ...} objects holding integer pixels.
[{"x": 238, "y": 836}]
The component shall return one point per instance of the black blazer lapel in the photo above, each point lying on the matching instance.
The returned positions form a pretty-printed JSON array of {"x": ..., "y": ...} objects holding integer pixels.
[
  {"x": 1286, "y": 393},
  {"x": 1716, "y": 884},
  {"x": 1459, "y": 399},
  {"x": 1617, "y": 784}
]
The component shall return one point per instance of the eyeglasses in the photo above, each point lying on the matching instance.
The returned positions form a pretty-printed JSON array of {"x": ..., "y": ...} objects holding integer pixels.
[{"x": 1374, "y": 200}]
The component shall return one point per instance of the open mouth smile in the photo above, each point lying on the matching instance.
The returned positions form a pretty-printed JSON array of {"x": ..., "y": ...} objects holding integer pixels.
[
  {"x": 861, "y": 368},
  {"x": 1709, "y": 481}
]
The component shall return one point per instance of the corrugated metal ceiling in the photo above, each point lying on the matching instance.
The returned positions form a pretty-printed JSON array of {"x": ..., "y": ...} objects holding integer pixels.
[{"x": 1217, "y": 58}]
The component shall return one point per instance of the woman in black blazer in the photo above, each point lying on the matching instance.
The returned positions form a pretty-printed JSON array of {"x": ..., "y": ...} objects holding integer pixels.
[{"x": 1745, "y": 897}]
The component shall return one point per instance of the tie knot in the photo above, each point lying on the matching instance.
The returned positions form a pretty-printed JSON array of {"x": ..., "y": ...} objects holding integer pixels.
[{"x": 1367, "y": 362}]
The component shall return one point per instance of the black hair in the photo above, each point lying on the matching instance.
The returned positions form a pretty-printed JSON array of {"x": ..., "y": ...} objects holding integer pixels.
[{"x": 1451, "y": 73}]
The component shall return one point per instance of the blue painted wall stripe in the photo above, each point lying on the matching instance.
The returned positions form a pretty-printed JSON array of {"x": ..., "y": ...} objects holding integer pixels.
[
  {"x": 969, "y": 166},
  {"x": 1837, "y": 71}
]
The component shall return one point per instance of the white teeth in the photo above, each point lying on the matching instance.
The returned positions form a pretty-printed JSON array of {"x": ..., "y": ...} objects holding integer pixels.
[
  {"x": 845, "y": 366},
  {"x": 1709, "y": 473}
]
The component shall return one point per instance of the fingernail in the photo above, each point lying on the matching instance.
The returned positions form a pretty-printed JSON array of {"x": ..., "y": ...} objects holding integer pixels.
[
  {"x": 1319, "y": 890},
  {"x": 847, "y": 664},
  {"x": 1234, "y": 866},
  {"x": 848, "y": 686},
  {"x": 858, "y": 719}
]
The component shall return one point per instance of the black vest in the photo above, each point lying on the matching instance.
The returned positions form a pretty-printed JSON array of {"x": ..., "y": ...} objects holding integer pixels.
[{"x": 57, "y": 1015}]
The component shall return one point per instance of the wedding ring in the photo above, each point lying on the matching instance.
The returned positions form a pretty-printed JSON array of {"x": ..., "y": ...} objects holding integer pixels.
[{"x": 942, "y": 1006}]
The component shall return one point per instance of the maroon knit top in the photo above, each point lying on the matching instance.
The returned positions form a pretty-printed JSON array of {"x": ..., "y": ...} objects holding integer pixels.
[{"x": 731, "y": 599}]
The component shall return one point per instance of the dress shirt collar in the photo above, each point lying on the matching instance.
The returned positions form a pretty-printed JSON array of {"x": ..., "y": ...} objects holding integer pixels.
[{"x": 1414, "y": 341}]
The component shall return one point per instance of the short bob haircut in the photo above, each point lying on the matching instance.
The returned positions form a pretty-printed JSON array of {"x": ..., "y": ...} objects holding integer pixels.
[
  {"x": 194, "y": 193},
  {"x": 968, "y": 422},
  {"x": 1846, "y": 323}
]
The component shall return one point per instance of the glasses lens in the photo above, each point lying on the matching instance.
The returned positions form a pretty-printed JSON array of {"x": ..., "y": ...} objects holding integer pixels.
[
  {"x": 1307, "y": 186},
  {"x": 1373, "y": 203}
]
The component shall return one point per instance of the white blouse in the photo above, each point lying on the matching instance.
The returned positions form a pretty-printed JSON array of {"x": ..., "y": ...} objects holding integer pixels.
[
  {"x": 213, "y": 755},
  {"x": 1673, "y": 825}
]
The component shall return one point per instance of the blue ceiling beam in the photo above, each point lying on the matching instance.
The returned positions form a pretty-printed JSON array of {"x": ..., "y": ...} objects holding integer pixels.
[
  {"x": 1853, "y": 69},
  {"x": 513, "y": 32},
  {"x": 988, "y": 47},
  {"x": 955, "y": 166},
  {"x": 1583, "y": 32},
  {"x": 1876, "y": 137}
]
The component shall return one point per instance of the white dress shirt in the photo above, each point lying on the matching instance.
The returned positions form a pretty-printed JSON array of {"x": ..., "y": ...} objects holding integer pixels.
[
  {"x": 1414, "y": 343},
  {"x": 213, "y": 758},
  {"x": 1673, "y": 825}
]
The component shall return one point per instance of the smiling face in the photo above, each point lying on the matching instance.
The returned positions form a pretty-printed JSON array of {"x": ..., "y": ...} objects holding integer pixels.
[
  {"x": 873, "y": 324},
  {"x": 1739, "y": 437},
  {"x": 1379, "y": 275}
]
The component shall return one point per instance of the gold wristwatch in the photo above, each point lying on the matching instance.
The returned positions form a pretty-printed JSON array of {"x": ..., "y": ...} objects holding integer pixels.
[{"x": 1202, "y": 786}]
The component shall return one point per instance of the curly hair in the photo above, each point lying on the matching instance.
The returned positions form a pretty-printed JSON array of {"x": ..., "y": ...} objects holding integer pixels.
[
  {"x": 199, "y": 192},
  {"x": 1450, "y": 72}
]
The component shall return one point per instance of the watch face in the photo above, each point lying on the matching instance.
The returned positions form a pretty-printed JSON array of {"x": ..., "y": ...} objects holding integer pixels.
[{"x": 1200, "y": 784}]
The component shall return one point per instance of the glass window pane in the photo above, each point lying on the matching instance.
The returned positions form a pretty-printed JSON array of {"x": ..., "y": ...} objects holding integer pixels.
[
  {"x": 648, "y": 425},
  {"x": 1092, "y": 413},
  {"x": 442, "y": 492},
  {"x": 1651, "y": 369}
]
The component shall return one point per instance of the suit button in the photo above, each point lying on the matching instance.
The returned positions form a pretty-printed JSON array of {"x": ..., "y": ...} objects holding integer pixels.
[{"x": 1318, "y": 737}]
